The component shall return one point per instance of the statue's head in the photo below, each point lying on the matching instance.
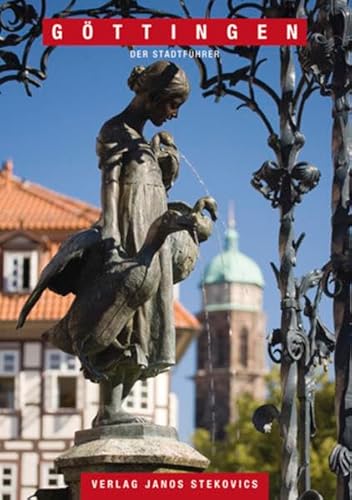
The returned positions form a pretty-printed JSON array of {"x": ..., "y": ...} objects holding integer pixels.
[{"x": 163, "y": 86}]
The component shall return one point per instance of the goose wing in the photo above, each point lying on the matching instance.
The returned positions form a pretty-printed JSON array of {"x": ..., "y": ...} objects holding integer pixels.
[{"x": 61, "y": 272}]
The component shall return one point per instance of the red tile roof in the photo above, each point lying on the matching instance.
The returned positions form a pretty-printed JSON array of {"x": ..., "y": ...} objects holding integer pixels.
[
  {"x": 30, "y": 207},
  {"x": 52, "y": 307},
  {"x": 49, "y": 308},
  {"x": 183, "y": 318},
  {"x": 24, "y": 205}
]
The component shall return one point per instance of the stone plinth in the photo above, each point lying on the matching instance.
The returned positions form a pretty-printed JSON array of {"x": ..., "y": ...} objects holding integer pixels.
[{"x": 137, "y": 447}]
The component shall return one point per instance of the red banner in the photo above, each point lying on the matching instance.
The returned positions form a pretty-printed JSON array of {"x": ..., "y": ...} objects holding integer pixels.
[
  {"x": 168, "y": 32},
  {"x": 170, "y": 486}
]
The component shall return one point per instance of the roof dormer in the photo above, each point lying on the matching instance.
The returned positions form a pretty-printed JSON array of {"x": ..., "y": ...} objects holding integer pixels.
[{"x": 20, "y": 259}]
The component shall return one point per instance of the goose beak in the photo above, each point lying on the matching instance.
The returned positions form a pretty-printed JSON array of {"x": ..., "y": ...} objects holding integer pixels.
[
  {"x": 212, "y": 207},
  {"x": 213, "y": 210}
]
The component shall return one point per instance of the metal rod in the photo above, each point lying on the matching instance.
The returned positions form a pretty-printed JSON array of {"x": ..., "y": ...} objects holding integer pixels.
[{"x": 341, "y": 259}]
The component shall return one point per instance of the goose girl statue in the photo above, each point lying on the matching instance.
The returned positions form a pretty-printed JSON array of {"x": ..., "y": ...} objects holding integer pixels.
[{"x": 121, "y": 270}]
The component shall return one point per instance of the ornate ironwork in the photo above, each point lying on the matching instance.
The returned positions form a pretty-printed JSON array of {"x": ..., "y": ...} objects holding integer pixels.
[
  {"x": 283, "y": 181},
  {"x": 20, "y": 28},
  {"x": 326, "y": 60}
]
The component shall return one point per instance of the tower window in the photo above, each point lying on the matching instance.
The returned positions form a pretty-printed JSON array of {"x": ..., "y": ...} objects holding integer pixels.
[{"x": 244, "y": 347}]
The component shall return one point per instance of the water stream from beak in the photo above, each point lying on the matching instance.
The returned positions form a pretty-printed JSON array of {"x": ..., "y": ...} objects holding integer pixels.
[{"x": 207, "y": 323}]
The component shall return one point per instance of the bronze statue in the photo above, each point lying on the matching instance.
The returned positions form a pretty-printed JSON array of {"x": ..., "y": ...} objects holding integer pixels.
[{"x": 121, "y": 270}]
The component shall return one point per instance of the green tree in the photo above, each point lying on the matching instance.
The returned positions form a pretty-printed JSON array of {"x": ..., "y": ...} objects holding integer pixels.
[
  {"x": 323, "y": 480},
  {"x": 246, "y": 449}
]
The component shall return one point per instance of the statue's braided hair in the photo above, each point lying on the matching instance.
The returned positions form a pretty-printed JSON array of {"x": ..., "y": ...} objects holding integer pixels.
[{"x": 160, "y": 79}]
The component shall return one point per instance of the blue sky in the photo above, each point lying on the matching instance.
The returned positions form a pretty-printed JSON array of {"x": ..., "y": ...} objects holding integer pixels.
[{"x": 51, "y": 139}]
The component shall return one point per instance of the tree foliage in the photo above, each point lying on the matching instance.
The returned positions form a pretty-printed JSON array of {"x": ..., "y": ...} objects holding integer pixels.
[{"x": 245, "y": 450}]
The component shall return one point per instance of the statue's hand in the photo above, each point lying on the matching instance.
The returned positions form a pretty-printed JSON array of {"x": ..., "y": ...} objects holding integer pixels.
[{"x": 168, "y": 157}]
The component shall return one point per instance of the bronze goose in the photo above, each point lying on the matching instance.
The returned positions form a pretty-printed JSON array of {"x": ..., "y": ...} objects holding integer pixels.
[
  {"x": 185, "y": 244},
  {"x": 110, "y": 288}
]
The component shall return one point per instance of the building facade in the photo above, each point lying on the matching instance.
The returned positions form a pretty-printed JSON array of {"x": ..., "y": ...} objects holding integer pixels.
[
  {"x": 44, "y": 398},
  {"x": 230, "y": 349}
]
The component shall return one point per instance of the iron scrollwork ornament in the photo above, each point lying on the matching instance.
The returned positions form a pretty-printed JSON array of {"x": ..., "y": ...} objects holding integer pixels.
[
  {"x": 21, "y": 28},
  {"x": 20, "y": 25},
  {"x": 310, "y": 350},
  {"x": 326, "y": 59},
  {"x": 269, "y": 180}
]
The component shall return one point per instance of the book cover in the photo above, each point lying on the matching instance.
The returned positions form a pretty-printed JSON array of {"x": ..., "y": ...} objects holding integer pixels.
[{"x": 245, "y": 88}]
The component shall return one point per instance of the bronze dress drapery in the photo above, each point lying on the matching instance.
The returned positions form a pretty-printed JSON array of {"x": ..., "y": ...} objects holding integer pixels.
[{"x": 150, "y": 337}]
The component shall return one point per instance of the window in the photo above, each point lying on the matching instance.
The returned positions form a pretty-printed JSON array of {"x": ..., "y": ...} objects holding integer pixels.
[
  {"x": 50, "y": 478},
  {"x": 244, "y": 347},
  {"x": 54, "y": 361},
  {"x": 144, "y": 394},
  {"x": 9, "y": 362},
  {"x": 67, "y": 392},
  {"x": 7, "y": 481},
  {"x": 140, "y": 397},
  {"x": 7, "y": 393},
  {"x": 220, "y": 349},
  {"x": 61, "y": 380},
  {"x": 58, "y": 360},
  {"x": 20, "y": 271}
]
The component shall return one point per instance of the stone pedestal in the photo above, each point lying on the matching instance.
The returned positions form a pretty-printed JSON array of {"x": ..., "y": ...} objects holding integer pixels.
[{"x": 137, "y": 447}]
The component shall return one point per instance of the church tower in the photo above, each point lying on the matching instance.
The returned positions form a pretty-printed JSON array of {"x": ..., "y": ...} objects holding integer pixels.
[{"x": 230, "y": 351}]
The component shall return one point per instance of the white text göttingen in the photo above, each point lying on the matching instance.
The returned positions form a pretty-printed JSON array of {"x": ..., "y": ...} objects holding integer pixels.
[{"x": 122, "y": 33}]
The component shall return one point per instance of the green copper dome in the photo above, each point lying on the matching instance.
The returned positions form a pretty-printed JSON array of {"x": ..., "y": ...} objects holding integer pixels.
[{"x": 231, "y": 265}]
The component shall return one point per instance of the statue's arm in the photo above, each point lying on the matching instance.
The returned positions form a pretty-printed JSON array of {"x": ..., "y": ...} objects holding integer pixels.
[
  {"x": 109, "y": 201},
  {"x": 168, "y": 157},
  {"x": 110, "y": 163}
]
